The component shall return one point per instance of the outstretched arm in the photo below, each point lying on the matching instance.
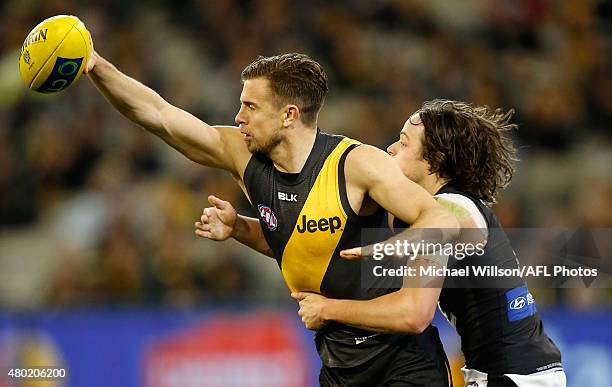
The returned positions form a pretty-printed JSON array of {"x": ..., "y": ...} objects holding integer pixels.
[
  {"x": 220, "y": 147},
  {"x": 221, "y": 222}
]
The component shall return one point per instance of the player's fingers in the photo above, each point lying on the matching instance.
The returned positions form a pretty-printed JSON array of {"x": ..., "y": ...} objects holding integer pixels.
[
  {"x": 203, "y": 234},
  {"x": 204, "y": 218},
  {"x": 298, "y": 296},
  {"x": 210, "y": 214},
  {"x": 215, "y": 201},
  {"x": 202, "y": 226},
  {"x": 91, "y": 61},
  {"x": 353, "y": 253}
]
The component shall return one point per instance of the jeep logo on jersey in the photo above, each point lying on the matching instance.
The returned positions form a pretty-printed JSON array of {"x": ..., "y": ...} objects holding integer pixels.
[
  {"x": 266, "y": 214},
  {"x": 323, "y": 224},
  {"x": 287, "y": 197}
]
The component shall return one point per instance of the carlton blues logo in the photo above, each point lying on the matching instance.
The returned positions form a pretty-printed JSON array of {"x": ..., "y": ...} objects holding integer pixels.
[{"x": 266, "y": 214}]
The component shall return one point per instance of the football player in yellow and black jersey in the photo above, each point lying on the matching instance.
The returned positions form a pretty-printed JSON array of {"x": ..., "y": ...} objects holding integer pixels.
[{"x": 314, "y": 192}]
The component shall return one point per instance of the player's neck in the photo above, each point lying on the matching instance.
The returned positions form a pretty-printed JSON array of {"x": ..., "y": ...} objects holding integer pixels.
[
  {"x": 291, "y": 155},
  {"x": 432, "y": 183}
]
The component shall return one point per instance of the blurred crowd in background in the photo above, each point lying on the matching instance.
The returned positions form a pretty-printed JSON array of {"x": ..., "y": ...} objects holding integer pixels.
[{"x": 95, "y": 211}]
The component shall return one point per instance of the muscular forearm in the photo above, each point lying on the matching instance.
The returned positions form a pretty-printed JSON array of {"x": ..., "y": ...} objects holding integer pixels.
[
  {"x": 131, "y": 98},
  {"x": 433, "y": 227},
  {"x": 248, "y": 232},
  {"x": 400, "y": 311},
  {"x": 408, "y": 310},
  {"x": 437, "y": 218},
  {"x": 219, "y": 147}
]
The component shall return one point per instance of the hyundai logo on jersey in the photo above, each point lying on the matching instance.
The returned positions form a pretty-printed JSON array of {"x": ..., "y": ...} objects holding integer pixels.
[{"x": 520, "y": 303}]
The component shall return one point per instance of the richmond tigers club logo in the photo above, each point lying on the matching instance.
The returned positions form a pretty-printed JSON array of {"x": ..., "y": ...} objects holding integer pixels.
[{"x": 266, "y": 214}]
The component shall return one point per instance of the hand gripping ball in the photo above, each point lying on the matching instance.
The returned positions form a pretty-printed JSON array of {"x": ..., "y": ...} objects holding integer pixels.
[{"x": 54, "y": 54}]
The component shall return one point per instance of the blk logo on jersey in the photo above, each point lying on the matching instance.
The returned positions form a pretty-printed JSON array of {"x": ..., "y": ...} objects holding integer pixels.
[
  {"x": 266, "y": 214},
  {"x": 287, "y": 197},
  {"x": 324, "y": 224}
]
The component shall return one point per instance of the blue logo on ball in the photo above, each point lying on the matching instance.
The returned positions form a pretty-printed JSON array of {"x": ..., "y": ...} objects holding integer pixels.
[{"x": 64, "y": 72}]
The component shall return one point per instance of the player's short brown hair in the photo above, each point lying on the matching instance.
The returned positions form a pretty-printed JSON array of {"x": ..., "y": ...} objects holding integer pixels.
[
  {"x": 294, "y": 78},
  {"x": 469, "y": 145}
]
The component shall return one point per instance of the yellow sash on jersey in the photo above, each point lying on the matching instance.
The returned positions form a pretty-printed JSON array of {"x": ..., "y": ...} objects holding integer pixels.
[{"x": 308, "y": 253}]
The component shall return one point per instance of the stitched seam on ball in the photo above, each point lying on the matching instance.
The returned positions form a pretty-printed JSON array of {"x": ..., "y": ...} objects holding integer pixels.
[
  {"x": 86, "y": 42},
  {"x": 51, "y": 56}
]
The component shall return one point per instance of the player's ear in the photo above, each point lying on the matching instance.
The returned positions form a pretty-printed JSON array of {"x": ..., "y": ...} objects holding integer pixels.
[{"x": 291, "y": 114}]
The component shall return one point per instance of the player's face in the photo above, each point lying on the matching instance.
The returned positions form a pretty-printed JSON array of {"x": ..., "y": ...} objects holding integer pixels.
[
  {"x": 260, "y": 118},
  {"x": 408, "y": 150}
]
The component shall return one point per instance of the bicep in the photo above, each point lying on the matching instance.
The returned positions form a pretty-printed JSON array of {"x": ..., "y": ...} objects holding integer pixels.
[
  {"x": 219, "y": 147},
  {"x": 401, "y": 197},
  {"x": 382, "y": 179}
]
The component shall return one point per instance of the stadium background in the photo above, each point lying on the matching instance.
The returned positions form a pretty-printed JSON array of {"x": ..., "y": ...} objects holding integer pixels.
[{"x": 99, "y": 269}]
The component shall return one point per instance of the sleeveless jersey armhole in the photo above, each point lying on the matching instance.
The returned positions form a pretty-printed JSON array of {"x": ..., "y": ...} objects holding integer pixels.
[
  {"x": 346, "y": 205},
  {"x": 249, "y": 172}
]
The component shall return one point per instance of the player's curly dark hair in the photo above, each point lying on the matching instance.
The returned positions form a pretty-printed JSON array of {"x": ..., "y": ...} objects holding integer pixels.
[
  {"x": 295, "y": 78},
  {"x": 469, "y": 145}
]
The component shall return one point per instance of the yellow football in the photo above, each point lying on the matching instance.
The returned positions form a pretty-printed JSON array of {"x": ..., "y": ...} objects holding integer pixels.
[{"x": 54, "y": 54}]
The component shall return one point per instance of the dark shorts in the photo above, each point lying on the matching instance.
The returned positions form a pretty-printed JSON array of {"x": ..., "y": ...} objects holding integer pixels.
[
  {"x": 399, "y": 365},
  {"x": 500, "y": 381}
]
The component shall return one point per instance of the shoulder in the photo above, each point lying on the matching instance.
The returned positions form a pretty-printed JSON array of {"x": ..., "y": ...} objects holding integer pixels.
[
  {"x": 233, "y": 144},
  {"x": 231, "y": 134},
  {"x": 368, "y": 164},
  {"x": 466, "y": 211},
  {"x": 366, "y": 158}
]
